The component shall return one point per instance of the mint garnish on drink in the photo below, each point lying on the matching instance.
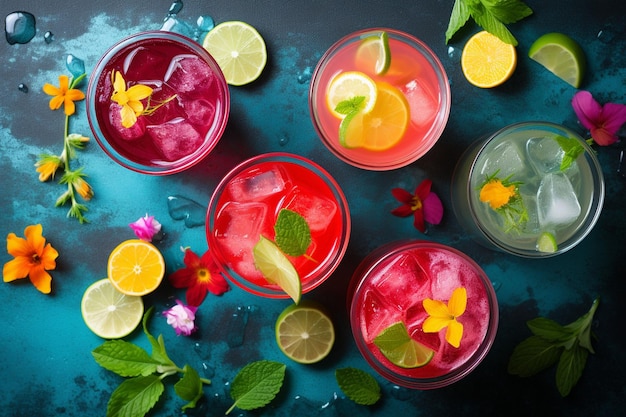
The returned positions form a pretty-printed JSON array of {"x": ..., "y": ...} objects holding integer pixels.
[
  {"x": 572, "y": 149},
  {"x": 293, "y": 235}
]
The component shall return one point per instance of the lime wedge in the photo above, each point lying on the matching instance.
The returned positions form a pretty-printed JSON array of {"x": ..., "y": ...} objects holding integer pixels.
[
  {"x": 561, "y": 55},
  {"x": 374, "y": 52},
  {"x": 397, "y": 345},
  {"x": 277, "y": 268},
  {"x": 305, "y": 333},
  {"x": 547, "y": 243}
]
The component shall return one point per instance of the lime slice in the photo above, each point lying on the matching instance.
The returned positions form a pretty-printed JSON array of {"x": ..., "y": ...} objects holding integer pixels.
[
  {"x": 109, "y": 313},
  {"x": 239, "y": 51},
  {"x": 304, "y": 332},
  {"x": 547, "y": 243},
  {"x": 395, "y": 343},
  {"x": 560, "y": 54},
  {"x": 277, "y": 268},
  {"x": 374, "y": 52},
  {"x": 348, "y": 85}
]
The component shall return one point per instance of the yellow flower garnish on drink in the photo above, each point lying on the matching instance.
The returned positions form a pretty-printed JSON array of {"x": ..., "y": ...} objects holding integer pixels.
[
  {"x": 129, "y": 99},
  {"x": 504, "y": 197},
  {"x": 441, "y": 316},
  {"x": 496, "y": 194}
]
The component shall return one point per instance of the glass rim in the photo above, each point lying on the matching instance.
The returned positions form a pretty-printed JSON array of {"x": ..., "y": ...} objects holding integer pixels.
[
  {"x": 369, "y": 265},
  {"x": 330, "y": 265},
  {"x": 436, "y": 129},
  {"x": 595, "y": 206},
  {"x": 174, "y": 166}
]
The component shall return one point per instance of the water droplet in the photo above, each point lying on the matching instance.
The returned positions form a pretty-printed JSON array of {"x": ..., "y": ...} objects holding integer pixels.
[
  {"x": 400, "y": 393},
  {"x": 171, "y": 24},
  {"x": 283, "y": 140},
  {"x": 23, "y": 88},
  {"x": 175, "y": 7},
  {"x": 453, "y": 52},
  {"x": 305, "y": 76},
  {"x": 74, "y": 65},
  {"x": 181, "y": 208},
  {"x": 621, "y": 169},
  {"x": 19, "y": 27},
  {"x": 496, "y": 285},
  {"x": 48, "y": 37},
  {"x": 237, "y": 325},
  {"x": 205, "y": 23}
]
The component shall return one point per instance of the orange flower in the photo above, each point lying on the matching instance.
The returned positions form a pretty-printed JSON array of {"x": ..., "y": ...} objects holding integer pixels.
[
  {"x": 496, "y": 193},
  {"x": 47, "y": 166},
  {"x": 83, "y": 188},
  {"x": 32, "y": 258},
  {"x": 63, "y": 95}
]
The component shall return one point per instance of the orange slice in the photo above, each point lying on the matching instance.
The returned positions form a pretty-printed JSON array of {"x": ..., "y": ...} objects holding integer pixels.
[
  {"x": 486, "y": 61},
  {"x": 136, "y": 267}
]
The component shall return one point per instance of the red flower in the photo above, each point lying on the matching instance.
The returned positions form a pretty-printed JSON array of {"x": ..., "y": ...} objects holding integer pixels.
[
  {"x": 424, "y": 205},
  {"x": 199, "y": 276}
]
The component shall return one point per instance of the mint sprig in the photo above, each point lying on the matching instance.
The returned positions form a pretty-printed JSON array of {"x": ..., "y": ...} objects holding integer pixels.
[
  {"x": 572, "y": 148},
  {"x": 136, "y": 396},
  {"x": 358, "y": 385},
  {"x": 293, "y": 235},
  {"x": 491, "y": 15},
  {"x": 256, "y": 384},
  {"x": 551, "y": 342}
]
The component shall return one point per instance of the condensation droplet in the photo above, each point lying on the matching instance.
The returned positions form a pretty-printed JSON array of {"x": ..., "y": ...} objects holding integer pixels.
[
  {"x": 283, "y": 140},
  {"x": 19, "y": 27},
  {"x": 48, "y": 37},
  {"x": 175, "y": 7},
  {"x": 181, "y": 208},
  {"x": 305, "y": 76},
  {"x": 22, "y": 87},
  {"x": 74, "y": 65}
]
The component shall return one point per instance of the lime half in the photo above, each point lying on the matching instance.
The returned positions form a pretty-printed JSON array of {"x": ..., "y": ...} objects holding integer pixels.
[
  {"x": 374, "y": 53},
  {"x": 561, "y": 55},
  {"x": 397, "y": 345},
  {"x": 547, "y": 243},
  {"x": 276, "y": 268},
  {"x": 304, "y": 332}
]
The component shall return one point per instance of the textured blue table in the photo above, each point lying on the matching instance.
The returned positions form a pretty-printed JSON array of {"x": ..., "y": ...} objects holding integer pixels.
[{"x": 47, "y": 367}]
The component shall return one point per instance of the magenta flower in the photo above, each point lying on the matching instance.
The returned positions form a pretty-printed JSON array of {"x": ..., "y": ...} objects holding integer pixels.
[
  {"x": 424, "y": 205},
  {"x": 181, "y": 318},
  {"x": 146, "y": 227},
  {"x": 602, "y": 121}
]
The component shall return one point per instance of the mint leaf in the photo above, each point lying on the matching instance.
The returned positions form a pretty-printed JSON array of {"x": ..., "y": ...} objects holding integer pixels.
[
  {"x": 460, "y": 15},
  {"x": 293, "y": 235},
  {"x": 570, "y": 368},
  {"x": 358, "y": 385},
  {"x": 572, "y": 148},
  {"x": 256, "y": 384},
  {"x": 507, "y": 11},
  {"x": 583, "y": 326},
  {"x": 485, "y": 19},
  {"x": 124, "y": 358},
  {"x": 189, "y": 387},
  {"x": 532, "y": 356},
  {"x": 350, "y": 105},
  {"x": 549, "y": 330},
  {"x": 135, "y": 397}
]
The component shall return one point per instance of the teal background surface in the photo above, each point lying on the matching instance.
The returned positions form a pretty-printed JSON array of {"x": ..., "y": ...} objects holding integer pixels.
[{"x": 47, "y": 367}]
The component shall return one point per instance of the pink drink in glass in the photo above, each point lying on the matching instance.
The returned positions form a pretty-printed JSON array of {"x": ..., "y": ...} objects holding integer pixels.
[
  {"x": 189, "y": 94},
  {"x": 245, "y": 206},
  {"x": 414, "y": 70},
  {"x": 391, "y": 284}
]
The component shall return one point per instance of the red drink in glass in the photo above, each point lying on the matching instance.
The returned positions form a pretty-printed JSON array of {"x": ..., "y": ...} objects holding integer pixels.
[
  {"x": 185, "y": 115},
  {"x": 245, "y": 206},
  {"x": 390, "y": 285}
]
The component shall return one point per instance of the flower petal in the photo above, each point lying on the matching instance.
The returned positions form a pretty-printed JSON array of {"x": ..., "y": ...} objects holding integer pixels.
[
  {"x": 602, "y": 137},
  {"x": 423, "y": 189},
  {"x": 402, "y": 211},
  {"x": 614, "y": 116},
  {"x": 119, "y": 84},
  {"x": 75, "y": 95},
  {"x": 196, "y": 294},
  {"x": 128, "y": 116},
  {"x": 183, "y": 278},
  {"x": 56, "y": 102},
  {"x": 436, "y": 308},
  {"x": 17, "y": 268},
  {"x": 454, "y": 333},
  {"x": 458, "y": 302},
  {"x": 434, "y": 324},
  {"x": 138, "y": 92},
  {"x": 587, "y": 109},
  {"x": 48, "y": 257},
  {"x": 64, "y": 83},
  {"x": 18, "y": 246},
  {"x": 70, "y": 107},
  {"x": 433, "y": 209},
  {"x": 51, "y": 90},
  {"x": 33, "y": 234},
  {"x": 402, "y": 195},
  {"x": 418, "y": 220},
  {"x": 41, "y": 279}
]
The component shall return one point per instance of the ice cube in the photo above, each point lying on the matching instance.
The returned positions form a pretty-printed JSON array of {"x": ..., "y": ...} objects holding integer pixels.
[
  {"x": 317, "y": 210},
  {"x": 423, "y": 104},
  {"x": 189, "y": 74},
  {"x": 505, "y": 158},
  {"x": 240, "y": 228},
  {"x": 545, "y": 154},
  {"x": 175, "y": 139},
  {"x": 115, "y": 119},
  {"x": 403, "y": 282},
  {"x": 557, "y": 203},
  {"x": 375, "y": 315},
  {"x": 257, "y": 185},
  {"x": 199, "y": 112},
  {"x": 163, "y": 105},
  {"x": 143, "y": 64}
]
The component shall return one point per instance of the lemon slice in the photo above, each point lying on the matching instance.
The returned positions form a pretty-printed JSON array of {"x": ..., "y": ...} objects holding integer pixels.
[
  {"x": 486, "y": 61},
  {"x": 109, "y": 313},
  {"x": 239, "y": 51},
  {"x": 561, "y": 55},
  {"x": 348, "y": 85},
  {"x": 277, "y": 268},
  {"x": 395, "y": 343},
  {"x": 304, "y": 332},
  {"x": 381, "y": 128},
  {"x": 374, "y": 53},
  {"x": 546, "y": 243},
  {"x": 136, "y": 267}
]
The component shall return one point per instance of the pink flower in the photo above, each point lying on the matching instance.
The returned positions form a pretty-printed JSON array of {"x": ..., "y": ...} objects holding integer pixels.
[
  {"x": 181, "y": 318},
  {"x": 602, "y": 121},
  {"x": 424, "y": 205},
  {"x": 146, "y": 227}
]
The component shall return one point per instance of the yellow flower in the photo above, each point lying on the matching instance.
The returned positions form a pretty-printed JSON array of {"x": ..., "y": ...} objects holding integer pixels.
[
  {"x": 83, "y": 188},
  {"x": 497, "y": 194},
  {"x": 130, "y": 99},
  {"x": 442, "y": 316},
  {"x": 63, "y": 95},
  {"x": 47, "y": 166},
  {"x": 32, "y": 258}
]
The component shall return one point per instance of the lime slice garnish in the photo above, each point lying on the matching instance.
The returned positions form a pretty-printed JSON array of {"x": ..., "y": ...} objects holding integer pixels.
[
  {"x": 109, "y": 313},
  {"x": 547, "y": 243},
  {"x": 374, "y": 53},
  {"x": 239, "y": 51},
  {"x": 560, "y": 54},
  {"x": 397, "y": 345},
  {"x": 348, "y": 85},
  {"x": 277, "y": 268},
  {"x": 304, "y": 332}
]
